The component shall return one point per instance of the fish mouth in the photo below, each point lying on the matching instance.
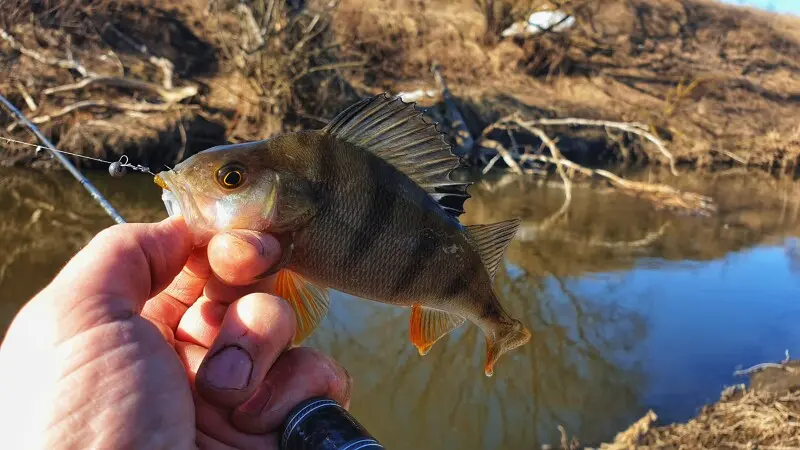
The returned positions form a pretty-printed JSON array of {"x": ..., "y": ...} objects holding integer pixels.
[{"x": 178, "y": 201}]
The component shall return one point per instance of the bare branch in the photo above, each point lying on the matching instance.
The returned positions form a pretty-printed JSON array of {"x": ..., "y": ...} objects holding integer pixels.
[
  {"x": 635, "y": 128},
  {"x": 122, "y": 106},
  {"x": 28, "y": 99},
  {"x": 168, "y": 95},
  {"x": 558, "y": 159},
  {"x": 502, "y": 152}
]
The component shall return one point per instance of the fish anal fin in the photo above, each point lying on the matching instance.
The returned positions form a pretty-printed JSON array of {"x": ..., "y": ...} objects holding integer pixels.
[
  {"x": 428, "y": 325},
  {"x": 491, "y": 241},
  {"x": 396, "y": 132},
  {"x": 309, "y": 302}
]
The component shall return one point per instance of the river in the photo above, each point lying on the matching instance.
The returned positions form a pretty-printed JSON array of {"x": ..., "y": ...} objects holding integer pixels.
[{"x": 631, "y": 308}]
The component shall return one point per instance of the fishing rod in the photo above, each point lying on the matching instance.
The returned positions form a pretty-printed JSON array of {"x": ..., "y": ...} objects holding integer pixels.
[
  {"x": 96, "y": 195},
  {"x": 320, "y": 423}
]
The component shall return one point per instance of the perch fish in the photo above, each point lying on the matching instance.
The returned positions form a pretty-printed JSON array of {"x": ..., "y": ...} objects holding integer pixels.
[{"x": 366, "y": 206}]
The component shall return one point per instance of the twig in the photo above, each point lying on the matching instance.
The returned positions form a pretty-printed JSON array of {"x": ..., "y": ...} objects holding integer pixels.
[
  {"x": 734, "y": 157},
  {"x": 491, "y": 163},
  {"x": 509, "y": 160},
  {"x": 332, "y": 66},
  {"x": 173, "y": 95},
  {"x": 783, "y": 365},
  {"x": 96, "y": 195},
  {"x": 28, "y": 99},
  {"x": 559, "y": 159},
  {"x": 137, "y": 107}
]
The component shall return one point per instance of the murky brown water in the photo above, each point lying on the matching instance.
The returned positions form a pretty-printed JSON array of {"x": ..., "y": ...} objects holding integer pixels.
[{"x": 631, "y": 308}]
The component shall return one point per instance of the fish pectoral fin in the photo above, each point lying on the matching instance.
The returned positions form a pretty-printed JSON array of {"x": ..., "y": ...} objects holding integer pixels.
[
  {"x": 491, "y": 240},
  {"x": 428, "y": 325},
  {"x": 309, "y": 302}
]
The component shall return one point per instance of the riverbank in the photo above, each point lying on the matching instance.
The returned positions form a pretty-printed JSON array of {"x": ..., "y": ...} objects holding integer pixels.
[
  {"x": 158, "y": 81},
  {"x": 764, "y": 415}
]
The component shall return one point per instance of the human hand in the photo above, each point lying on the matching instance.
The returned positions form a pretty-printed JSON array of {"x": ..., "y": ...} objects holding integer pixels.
[{"x": 142, "y": 342}]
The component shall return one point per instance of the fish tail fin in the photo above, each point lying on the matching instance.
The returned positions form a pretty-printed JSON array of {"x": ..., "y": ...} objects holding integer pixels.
[
  {"x": 491, "y": 241},
  {"x": 500, "y": 339}
]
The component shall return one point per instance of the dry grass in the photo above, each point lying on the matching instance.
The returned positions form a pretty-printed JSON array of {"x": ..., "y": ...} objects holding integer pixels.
[
  {"x": 719, "y": 83},
  {"x": 742, "y": 419}
]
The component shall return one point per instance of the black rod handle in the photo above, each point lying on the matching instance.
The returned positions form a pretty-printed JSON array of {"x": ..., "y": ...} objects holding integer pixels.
[{"x": 320, "y": 423}]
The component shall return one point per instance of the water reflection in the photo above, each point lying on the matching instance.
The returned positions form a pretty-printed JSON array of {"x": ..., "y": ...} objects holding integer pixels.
[{"x": 625, "y": 303}]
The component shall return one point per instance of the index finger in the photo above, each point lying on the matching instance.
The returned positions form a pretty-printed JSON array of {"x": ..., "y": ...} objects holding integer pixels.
[
  {"x": 236, "y": 258},
  {"x": 171, "y": 304}
]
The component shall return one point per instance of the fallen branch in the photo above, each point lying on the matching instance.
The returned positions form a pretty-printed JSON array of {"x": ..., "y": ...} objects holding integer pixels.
[
  {"x": 172, "y": 95},
  {"x": 137, "y": 107},
  {"x": 635, "y": 128},
  {"x": 661, "y": 195}
]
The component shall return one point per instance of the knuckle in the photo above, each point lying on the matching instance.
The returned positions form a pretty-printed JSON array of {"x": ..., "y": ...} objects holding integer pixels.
[{"x": 338, "y": 379}]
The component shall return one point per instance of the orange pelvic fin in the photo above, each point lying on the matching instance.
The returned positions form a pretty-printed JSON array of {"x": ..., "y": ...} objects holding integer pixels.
[
  {"x": 310, "y": 302},
  {"x": 428, "y": 325}
]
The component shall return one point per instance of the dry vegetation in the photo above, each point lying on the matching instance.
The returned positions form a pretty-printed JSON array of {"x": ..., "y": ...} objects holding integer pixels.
[{"x": 764, "y": 416}]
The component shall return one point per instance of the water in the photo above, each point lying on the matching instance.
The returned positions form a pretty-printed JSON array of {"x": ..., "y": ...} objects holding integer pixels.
[{"x": 630, "y": 308}]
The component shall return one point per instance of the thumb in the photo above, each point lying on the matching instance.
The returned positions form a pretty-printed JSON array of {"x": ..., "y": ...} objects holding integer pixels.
[{"x": 118, "y": 271}]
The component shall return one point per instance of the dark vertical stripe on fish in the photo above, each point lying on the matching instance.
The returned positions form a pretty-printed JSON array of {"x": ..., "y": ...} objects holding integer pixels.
[
  {"x": 426, "y": 245},
  {"x": 381, "y": 204}
]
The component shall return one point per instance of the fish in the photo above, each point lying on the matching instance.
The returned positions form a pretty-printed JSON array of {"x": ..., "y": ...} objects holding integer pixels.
[{"x": 366, "y": 205}]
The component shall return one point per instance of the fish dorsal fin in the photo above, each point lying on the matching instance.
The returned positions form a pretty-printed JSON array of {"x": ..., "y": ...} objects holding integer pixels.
[
  {"x": 491, "y": 240},
  {"x": 309, "y": 302},
  {"x": 396, "y": 132},
  {"x": 428, "y": 325}
]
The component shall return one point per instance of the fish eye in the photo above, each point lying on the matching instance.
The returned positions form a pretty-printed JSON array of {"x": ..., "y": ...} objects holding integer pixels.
[{"x": 230, "y": 176}]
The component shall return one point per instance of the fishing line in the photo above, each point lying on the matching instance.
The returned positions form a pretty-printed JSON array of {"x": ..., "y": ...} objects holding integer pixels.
[{"x": 115, "y": 168}]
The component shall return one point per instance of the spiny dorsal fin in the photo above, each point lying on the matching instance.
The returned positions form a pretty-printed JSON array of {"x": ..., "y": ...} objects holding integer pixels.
[
  {"x": 397, "y": 132},
  {"x": 428, "y": 325},
  {"x": 491, "y": 240},
  {"x": 310, "y": 302}
]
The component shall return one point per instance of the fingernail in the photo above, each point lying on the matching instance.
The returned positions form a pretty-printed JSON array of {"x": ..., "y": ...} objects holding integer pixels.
[
  {"x": 229, "y": 369},
  {"x": 255, "y": 404},
  {"x": 250, "y": 238}
]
